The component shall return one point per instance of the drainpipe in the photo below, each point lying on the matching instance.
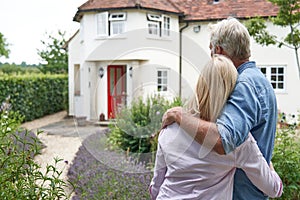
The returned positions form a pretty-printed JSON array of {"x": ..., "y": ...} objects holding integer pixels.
[{"x": 180, "y": 55}]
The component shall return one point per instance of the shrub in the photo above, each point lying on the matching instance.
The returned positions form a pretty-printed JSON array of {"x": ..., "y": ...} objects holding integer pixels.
[
  {"x": 286, "y": 161},
  {"x": 35, "y": 95},
  {"x": 137, "y": 125},
  {"x": 16, "y": 69},
  {"x": 20, "y": 176},
  {"x": 102, "y": 174}
]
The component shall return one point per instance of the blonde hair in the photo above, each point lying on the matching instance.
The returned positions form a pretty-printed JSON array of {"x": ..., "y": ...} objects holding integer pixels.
[
  {"x": 215, "y": 84},
  {"x": 232, "y": 36}
]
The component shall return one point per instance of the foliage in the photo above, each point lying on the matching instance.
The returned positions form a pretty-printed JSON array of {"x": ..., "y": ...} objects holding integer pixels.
[
  {"x": 286, "y": 160},
  {"x": 4, "y": 51},
  {"x": 17, "y": 69},
  {"x": 288, "y": 16},
  {"x": 95, "y": 179},
  {"x": 35, "y": 95},
  {"x": 20, "y": 176},
  {"x": 54, "y": 55},
  {"x": 137, "y": 125}
]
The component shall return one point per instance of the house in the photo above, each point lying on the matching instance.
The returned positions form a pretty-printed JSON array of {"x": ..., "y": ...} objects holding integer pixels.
[{"x": 126, "y": 49}]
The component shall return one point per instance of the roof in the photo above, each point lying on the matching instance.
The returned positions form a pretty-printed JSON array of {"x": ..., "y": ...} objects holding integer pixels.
[
  {"x": 208, "y": 10},
  {"x": 192, "y": 10}
]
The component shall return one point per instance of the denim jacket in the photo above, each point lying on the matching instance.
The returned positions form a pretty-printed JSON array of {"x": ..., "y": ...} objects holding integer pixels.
[{"x": 251, "y": 108}]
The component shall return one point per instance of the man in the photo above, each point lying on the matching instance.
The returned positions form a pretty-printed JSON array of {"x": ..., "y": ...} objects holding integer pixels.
[{"x": 251, "y": 107}]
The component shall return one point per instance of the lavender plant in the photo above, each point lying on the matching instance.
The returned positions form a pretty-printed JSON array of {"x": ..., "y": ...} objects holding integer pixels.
[
  {"x": 116, "y": 177},
  {"x": 20, "y": 175}
]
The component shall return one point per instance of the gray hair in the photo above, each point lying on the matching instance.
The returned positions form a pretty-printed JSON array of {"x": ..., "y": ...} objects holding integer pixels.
[{"x": 233, "y": 37}]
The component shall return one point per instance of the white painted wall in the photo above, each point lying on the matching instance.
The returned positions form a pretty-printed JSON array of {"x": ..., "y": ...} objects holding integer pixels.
[
  {"x": 289, "y": 100},
  {"x": 146, "y": 54}
]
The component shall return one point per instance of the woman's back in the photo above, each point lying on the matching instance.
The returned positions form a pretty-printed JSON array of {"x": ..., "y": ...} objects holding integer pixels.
[{"x": 193, "y": 171}]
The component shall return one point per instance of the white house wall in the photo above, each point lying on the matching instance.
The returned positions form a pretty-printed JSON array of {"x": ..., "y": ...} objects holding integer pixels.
[
  {"x": 145, "y": 55},
  {"x": 289, "y": 100},
  {"x": 73, "y": 59}
]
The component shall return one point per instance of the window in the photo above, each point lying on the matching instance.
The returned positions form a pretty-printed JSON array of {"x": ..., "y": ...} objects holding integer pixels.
[
  {"x": 162, "y": 80},
  {"x": 77, "y": 80},
  {"x": 117, "y": 24},
  {"x": 276, "y": 75},
  {"x": 158, "y": 25},
  {"x": 110, "y": 24},
  {"x": 153, "y": 28},
  {"x": 102, "y": 24},
  {"x": 166, "y": 26}
]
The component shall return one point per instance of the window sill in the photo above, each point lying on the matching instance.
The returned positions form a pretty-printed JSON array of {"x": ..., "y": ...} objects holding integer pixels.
[
  {"x": 158, "y": 38},
  {"x": 113, "y": 37}
]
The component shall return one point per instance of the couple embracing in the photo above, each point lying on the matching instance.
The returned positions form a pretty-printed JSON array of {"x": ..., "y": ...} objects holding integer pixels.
[{"x": 221, "y": 144}]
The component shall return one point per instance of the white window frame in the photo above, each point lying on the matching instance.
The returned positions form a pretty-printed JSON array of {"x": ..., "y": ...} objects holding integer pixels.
[
  {"x": 274, "y": 77},
  {"x": 102, "y": 26},
  {"x": 109, "y": 21},
  {"x": 166, "y": 25},
  {"x": 120, "y": 25},
  {"x": 163, "y": 23},
  {"x": 153, "y": 31},
  {"x": 117, "y": 17},
  {"x": 162, "y": 80},
  {"x": 154, "y": 17}
]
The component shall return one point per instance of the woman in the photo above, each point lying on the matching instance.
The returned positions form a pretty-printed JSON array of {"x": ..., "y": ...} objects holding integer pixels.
[{"x": 186, "y": 170}]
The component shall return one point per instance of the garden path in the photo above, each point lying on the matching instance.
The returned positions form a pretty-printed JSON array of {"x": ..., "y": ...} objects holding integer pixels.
[{"x": 62, "y": 137}]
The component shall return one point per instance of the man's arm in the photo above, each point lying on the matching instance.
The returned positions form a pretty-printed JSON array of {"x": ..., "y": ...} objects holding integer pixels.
[{"x": 204, "y": 132}]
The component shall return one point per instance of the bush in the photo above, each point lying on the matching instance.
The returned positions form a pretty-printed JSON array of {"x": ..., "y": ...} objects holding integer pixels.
[
  {"x": 286, "y": 161},
  {"x": 137, "y": 125},
  {"x": 16, "y": 69},
  {"x": 20, "y": 176},
  {"x": 102, "y": 174},
  {"x": 35, "y": 95}
]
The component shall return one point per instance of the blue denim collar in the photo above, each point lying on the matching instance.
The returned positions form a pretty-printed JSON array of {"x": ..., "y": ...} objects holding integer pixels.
[{"x": 245, "y": 65}]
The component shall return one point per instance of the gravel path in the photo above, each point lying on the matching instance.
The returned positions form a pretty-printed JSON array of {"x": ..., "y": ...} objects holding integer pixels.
[{"x": 62, "y": 137}]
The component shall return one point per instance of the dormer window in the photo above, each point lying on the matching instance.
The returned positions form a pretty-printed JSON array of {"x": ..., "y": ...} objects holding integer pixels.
[
  {"x": 109, "y": 24},
  {"x": 117, "y": 17},
  {"x": 158, "y": 25},
  {"x": 153, "y": 17}
]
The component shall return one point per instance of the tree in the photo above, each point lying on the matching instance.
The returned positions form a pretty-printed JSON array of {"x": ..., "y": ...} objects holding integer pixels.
[
  {"x": 287, "y": 17},
  {"x": 54, "y": 55},
  {"x": 4, "y": 51}
]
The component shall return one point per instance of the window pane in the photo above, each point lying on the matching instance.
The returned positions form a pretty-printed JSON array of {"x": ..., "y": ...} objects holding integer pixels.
[
  {"x": 263, "y": 70},
  {"x": 273, "y": 78},
  {"x": 159, "y": 73},
  {"x": 280, "y": 70},
  {"x": 280, "y": 85},
  {"x": 117, "y": 28},
  {"x": 274, "y": 85},
  {"x": 153, "y": 29},
  {"x": 280, "y": 78},
  {"x": 273, "y": 70},
  {"x": 159, "y": 88},
  {"x": 164, "y": 73}
]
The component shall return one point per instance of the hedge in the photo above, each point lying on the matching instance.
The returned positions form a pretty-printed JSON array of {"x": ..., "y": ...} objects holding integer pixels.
[{"x": 35, "y": 95}]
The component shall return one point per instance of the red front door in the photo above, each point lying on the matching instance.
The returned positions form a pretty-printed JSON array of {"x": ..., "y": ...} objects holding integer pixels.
[{"x": 116, "y": 88}]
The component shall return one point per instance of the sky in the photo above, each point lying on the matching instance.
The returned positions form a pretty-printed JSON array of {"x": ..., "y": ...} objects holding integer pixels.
[{"x": 24, "y": 23}]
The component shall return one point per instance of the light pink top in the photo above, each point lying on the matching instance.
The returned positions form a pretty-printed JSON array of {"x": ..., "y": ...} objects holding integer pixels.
[{"x": 186, "y": 170}]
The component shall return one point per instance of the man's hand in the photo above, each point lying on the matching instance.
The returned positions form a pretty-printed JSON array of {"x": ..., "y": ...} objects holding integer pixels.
[{"x": 172, "y": 115}]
